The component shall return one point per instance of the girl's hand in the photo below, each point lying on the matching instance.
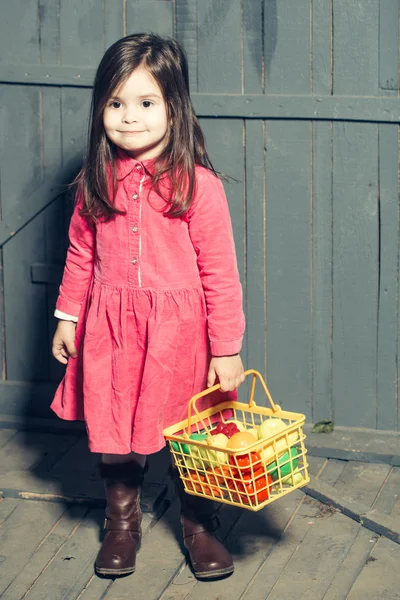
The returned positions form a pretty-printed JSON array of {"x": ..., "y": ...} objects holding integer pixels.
[
  {"x": 64, "y": 342},
  {"x": 228, "y": 369}
]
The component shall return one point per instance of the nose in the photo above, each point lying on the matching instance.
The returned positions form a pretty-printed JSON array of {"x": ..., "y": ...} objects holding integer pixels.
[{"x": 130, "y": 115}]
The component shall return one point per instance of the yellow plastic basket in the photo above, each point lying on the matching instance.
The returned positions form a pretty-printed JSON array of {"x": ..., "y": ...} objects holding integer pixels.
[{"x": 249, "y": 477}]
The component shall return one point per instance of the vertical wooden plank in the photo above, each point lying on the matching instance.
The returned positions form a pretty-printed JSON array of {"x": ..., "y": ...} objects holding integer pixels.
[
  {"x": 51, "y": 134},
  {"x": 355, "y": 47},
  {"x": 113, "y": 21},
  {"x": 145, "y": 16},
  {"x": 75, "y": 104},
  {"x": 3, "y": 364},
  {"x": 25, "y": 306},
  {"x": 387, "y": 339},
  {"x": 321, "y": 217},
  {"x": 321, "y": 47},
  {"x": 219, "y": 46},
  {"x": 255, "y": 252},
  {"x": 388, "y": 45},
  {"x": 19, "y": 32},
  {"x": 49, "y": 22},
  {"x": 81, "y": 32},
  {"x": 186, "y": 34},
  {"x": 387, "y": 373},
  {"x": 355, "y": 273},
  {"x": 287, "y": 47},
  {"x": 288, "y": 304},
  {"x": 355, "y": 219},
  {"x": 225, "y": 144},
  {"x": 21, "y": 147},
  {"x": 253, "y": 14},
  {"x": 289, "y": 264},
  {"x": 322, "y": 270}
]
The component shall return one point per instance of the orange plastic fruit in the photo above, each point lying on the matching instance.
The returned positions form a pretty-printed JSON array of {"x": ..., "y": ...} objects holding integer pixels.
[{"x": 241, "y": 440}]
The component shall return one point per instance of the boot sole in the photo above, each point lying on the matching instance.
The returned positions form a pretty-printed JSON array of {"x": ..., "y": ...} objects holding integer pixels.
[
  {"x": 125, "y": 571},
  {"x": 213, "y": 574}
]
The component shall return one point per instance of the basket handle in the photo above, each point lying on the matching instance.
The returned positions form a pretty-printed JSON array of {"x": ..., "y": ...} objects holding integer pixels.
[{"x": 192, "y": 408}]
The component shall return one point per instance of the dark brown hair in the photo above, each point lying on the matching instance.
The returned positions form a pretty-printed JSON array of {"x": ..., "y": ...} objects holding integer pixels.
[{"x": 165, "y": 60}]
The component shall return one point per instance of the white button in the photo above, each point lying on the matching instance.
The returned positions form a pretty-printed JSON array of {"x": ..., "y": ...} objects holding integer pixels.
[
  {"x": 134, "y": 260},
  {"x": 134, "y": 229},
  {"x": 138, "y": 167},
  {"x": 135, "y": 196}
]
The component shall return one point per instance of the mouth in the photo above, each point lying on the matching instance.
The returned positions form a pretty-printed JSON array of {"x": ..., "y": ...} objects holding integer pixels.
[{"x": 131, "y": 132}]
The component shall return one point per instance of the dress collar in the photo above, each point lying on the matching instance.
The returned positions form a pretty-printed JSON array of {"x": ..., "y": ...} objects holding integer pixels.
[{"x": 125, "y": 164}]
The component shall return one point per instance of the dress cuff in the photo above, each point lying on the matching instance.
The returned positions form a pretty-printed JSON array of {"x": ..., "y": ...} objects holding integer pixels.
[
  {"x": 226, "y": 348},
  {"x": 64, "y": 316}
]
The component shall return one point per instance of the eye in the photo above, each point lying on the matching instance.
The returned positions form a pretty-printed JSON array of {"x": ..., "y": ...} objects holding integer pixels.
[
  {"x": 115, "y": 104},
  {"x": 147, "y": 103}
]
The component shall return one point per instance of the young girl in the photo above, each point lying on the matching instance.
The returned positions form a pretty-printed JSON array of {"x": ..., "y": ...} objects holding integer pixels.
[{"x": 150, "y": 305}]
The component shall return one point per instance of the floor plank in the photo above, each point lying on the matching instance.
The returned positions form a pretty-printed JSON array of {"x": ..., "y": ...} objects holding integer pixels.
[
  {"x": 6, "y": 435},
  {"x": 362, "y": 481},
  {"x": 249, "y": 541},
  {"x": 7, "y": 507},
  {"x": 352, "y": 565},
  {"x": 71, "y": 567},
  {"x": 380, "y": 577},
  {"x": 22, "y": 533},
  {"x": 388, "y": 500},
  {"x": 365, "y": 483},
  {"x": 299, "y": 527},
  {"x": 317, "y": 559},
  {"x": 45, "y": 553},
  {"x": 30, "y": 450}
]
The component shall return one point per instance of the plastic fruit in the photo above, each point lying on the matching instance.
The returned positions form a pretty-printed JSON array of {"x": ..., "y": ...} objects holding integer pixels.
[
  {"x": 270, "y": 427},
  {"x": 286, "y": 464},
  {"x": 294, "y": 478},
  {"x": 238, "y": 424},
  {"x": 220, "y": 439},
  {"x": 253, "y": 431},
  {"x": 180, "y": 447},
  {"x": 246, "y": 463},
  {"x": 273, "y": 448},
  {"x": 229, "y": 428},
  {"x": 198, "y": 483},
  {"x": 219, "y": 475},
  {"x": 215, "y": 457},
  {"x": 241, "y": 440},
  {"x": 252, "y": 489},
  {"x": 191, "y": 462}
]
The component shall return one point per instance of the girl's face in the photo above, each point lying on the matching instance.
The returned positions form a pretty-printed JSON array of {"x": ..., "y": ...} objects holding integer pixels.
[{"x": 136, "y": 116}]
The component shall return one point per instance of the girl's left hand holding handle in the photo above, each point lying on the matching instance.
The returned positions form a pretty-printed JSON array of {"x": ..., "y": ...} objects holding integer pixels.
[
  {"x": 229, "y": 371},
  {"x": 64, "y": 342}
]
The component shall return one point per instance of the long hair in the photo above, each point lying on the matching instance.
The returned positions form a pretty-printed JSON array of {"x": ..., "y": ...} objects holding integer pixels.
[{"x": 185, "y": 147}]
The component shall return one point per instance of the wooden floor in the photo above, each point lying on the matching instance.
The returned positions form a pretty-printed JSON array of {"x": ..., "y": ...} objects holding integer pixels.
[{"x": 51, "y": 513}]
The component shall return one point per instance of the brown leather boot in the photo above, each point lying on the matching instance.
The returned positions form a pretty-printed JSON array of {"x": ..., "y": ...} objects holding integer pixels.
[
  {"x": 208, "y": 556},
  {"x": 117, "y": 555}
]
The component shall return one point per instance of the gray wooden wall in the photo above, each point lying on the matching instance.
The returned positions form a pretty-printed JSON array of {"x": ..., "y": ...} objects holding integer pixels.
[{"x": 299, "y": 102}]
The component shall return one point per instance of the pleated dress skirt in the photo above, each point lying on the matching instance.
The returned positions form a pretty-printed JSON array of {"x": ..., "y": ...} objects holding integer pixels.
[{"x": 142, "y": 354}]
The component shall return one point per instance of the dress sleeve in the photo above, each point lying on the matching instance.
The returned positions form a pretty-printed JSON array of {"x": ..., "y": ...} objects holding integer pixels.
[
  {"x": 210, "y": 230},
  {"x": 78, "y": 265}
]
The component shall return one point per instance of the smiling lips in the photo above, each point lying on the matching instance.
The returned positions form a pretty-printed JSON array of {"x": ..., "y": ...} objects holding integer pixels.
[{"x": 131, "y": 132}]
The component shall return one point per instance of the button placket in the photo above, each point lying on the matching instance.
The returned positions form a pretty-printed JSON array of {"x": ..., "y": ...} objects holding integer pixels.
[{"x": 134, "y": 217}]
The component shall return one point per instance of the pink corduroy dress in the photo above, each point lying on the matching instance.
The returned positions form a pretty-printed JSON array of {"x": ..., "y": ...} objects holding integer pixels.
[{"x": 155, "y": 298}]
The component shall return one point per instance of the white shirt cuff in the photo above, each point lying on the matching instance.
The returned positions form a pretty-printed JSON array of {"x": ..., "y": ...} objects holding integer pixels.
[{"x": 60, "y": 315}]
